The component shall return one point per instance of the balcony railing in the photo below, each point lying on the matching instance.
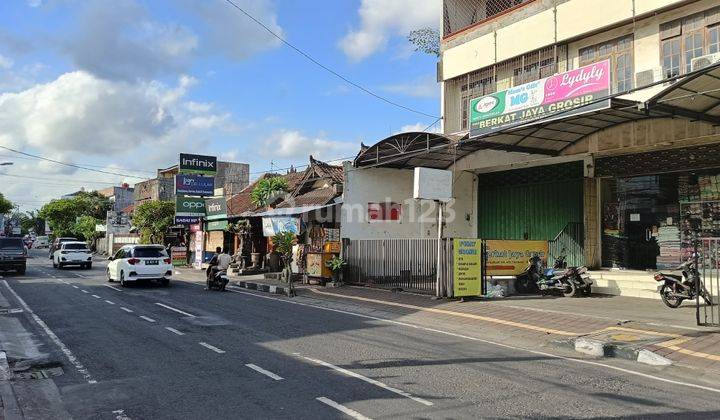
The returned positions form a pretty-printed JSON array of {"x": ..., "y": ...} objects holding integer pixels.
[{"x": 461, "y": 14}]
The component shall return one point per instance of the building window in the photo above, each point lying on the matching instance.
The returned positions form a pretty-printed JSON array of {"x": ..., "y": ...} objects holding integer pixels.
[
  {"x": 620, "y": 53},
  {"x": 685, "y": 39}
]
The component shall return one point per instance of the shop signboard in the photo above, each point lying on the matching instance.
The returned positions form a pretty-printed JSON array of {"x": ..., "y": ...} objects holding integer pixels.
[
  {"x": 178, "y": 254},
  {"x": 214, "y": 225},
  {"x": 215, "y": 208},
  {"x": 197, "y": 164},
  {"x": 573, "y": 92},
  {"x": 467, "y": 276},
  {"x": 191, "y": 184},
  {"x": 117, "y": 222},
  {"x": 510, "y": 257},
  {"x": 274, "y": 225},
  {"x": 189, "y": 207}
]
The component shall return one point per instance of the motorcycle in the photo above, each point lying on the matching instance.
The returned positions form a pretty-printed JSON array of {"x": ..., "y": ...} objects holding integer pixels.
[
  {"x": 676, "y": 288},
  {"x": 218, "y": 281},
  {"x": 568, "y": 281},
  {"x": 526, "y": 282}
]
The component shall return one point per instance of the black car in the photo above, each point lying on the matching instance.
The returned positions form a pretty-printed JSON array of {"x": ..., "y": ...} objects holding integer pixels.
[{"x": 13, "y": 255}]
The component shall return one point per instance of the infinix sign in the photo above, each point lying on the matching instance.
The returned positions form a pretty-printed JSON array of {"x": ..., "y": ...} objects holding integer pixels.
[{"x": 198, "y": 164}]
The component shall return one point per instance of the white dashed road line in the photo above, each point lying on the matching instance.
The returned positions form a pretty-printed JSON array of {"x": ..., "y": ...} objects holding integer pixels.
[
  {"x": 69, "y": 354},
  {"x": 111, "y": 303},
  {"x": 213, "y": 348},
  {"x": 175, "y": 309},
  {"x": 348, "y": 411},
  {"x": 96, "y": 296},
  {"x": 174, "y": 331},
  {"x": 264, "y": 372},
  {"x": 148, "y": 319},
  {"x": 112, "y": 287},
  {"x": 369, "y": 380},
  {"x": 126, "y": 309},
  {"x": 75, "y": 286},
  {"x": 84, "y": 291}
]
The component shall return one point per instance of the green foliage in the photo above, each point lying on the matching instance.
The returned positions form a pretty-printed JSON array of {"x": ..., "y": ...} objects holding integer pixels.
[
  {"x": 153, "y": 218},
  {"x": 31, "y": 221},
  {"x": 5, "y": 205},
  {"x": 266, "y": 188},
  {"x": 335, "y": 264},
  {"x": 84, "y": 228},
  {"x": 241, "y": 228},
  {"x": 63, "y": 214},
  {"x": 426, "y": 40},
  {"x": 284, "y": 242}
]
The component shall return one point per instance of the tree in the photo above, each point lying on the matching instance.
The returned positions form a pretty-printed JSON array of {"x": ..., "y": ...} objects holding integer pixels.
[
  {"x": 84, "y": 229},
  {"x": 31, "y": 220},
  {"x": 153, "y": 218},
  {"x": 266, "y": 189},
  {"x": 63, "y": 214},
  {"x": 426, "y": 40},
  {"x": 284, "y": 242},
  {"x": 5, "y": 205}
]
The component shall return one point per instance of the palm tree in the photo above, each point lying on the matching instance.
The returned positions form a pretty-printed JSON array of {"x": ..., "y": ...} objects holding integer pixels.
[{"x": 267, "y": 189}]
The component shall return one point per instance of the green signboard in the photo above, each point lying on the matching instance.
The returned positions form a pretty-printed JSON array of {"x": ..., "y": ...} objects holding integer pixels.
[
  {"x": 216, "y": 208},
  {"x": 197, "y": 164},
  {"x": 189, "y": 207},
  {"x": 217, "y": 225}
]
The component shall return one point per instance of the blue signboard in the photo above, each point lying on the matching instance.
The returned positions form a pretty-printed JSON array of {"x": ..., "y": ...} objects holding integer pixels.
[
  {"x": 189, "y": 184},
  {"x": 186, "y": 220}
]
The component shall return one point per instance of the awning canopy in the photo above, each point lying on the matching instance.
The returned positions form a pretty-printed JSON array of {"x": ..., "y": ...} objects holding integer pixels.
[
  {"x": 695, "y": 97},
  {"x": 292, "y": 211}
]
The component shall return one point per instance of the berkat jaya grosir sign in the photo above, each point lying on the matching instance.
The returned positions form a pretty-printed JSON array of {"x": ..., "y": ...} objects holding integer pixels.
[{"x": 574, "y": 92}]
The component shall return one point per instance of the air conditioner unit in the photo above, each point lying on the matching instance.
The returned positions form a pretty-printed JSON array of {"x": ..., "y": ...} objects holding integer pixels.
[
  {"x": 704, "y": 61},
  {"x": 649, "y": 76}
]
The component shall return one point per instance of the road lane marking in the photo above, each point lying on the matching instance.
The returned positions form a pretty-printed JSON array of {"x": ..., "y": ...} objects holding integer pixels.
[
  {"x": 69, "y": 354},
  {"x": 126, "y": 309},
  {"x": 174, "y": 331},
  {"x": 84, "y": 291},
  {"x": 148, "y": 319},
  {"x": 264, "y": 372},
  {"x": 112, "y": 303},
  {"x": 96, "y": 296},
  {"x": 112, "y": 287},
  {"x": 175, "y": 309},
  {"x": 481, "y": 340},
  {"x": 120, "y": 415},
  {"x": 75, "y": 286},
  {"x": 369, "y": 380},
  {"x": 348, "y": 411},
  {"x": 213, "y": 348},
  {"x": 80, "y": 275}
]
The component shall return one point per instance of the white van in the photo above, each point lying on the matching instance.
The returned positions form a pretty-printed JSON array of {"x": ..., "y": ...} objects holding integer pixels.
[{"x": 41, "y": 242}]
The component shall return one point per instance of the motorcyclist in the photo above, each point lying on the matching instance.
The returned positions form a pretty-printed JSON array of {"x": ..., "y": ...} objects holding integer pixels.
[{"x": 219, "y": 262}]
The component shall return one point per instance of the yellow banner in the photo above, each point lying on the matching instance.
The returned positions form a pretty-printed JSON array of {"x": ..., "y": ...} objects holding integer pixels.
[
  {"x": 510, "y": 258},
  {"x": 466, "y": 267}
]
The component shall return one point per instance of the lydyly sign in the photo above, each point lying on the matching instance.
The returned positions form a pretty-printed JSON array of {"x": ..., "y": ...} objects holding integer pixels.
[
  {"x": 189, "y": 207},
  {"x": 570, "y": 93},
  {"x": 216, "y": 208},
  {"x": 190, "y": 184},
  {"x": 197, "y": 164}
]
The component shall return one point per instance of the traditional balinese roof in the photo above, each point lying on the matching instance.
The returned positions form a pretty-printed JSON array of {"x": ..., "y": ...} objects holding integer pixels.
[{"x": 240, "y": 204}]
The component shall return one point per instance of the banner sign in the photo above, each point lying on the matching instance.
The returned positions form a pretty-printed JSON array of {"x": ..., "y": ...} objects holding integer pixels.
[
  {"x": 217, "y": 225},
  {"x": 189, "y": 207},
  {"x": 216, "y": 208},
  {"x": 510, "y": 258},
  {"x": 178, "y": 254},
  {"x": 274, "y": 225},
  {"x": 466, "y": 267},
  {"x": 187, "y": 220},
  {"x": 187, "y": 184},
  {"x": 567, "y": 94},
  {"x": 197, "y": 164}
]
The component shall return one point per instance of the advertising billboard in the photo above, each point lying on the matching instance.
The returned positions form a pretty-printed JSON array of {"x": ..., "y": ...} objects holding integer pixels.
[
  {"x": 191, "y": 184},
  {"x": 564, "y": 94},
  {"x": 466, "y": 267},
  {"x": 189, "y": 210},
  {"x": 197, "y": 164},
  {"x": 216, "y": 208},
  {"x": 274, "y": 225},
  {"x": 510, "y": 257}
]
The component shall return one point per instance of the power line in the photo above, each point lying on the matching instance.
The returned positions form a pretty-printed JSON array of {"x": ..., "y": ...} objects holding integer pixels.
[
  {"x": 72, "y": 165},
  {"x": 80, "y": 181},
  {"x": 324, "y": 67},
  {"x": 86, "y": 164}
]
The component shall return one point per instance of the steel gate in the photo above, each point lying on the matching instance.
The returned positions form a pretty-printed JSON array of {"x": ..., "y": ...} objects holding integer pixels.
[{"x": 709, "y": 315}]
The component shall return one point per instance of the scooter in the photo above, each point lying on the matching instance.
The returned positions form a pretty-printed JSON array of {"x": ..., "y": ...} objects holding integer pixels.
[
  {"x": 526, "y": 282},
  {"x": 568, "y": 281},
  {"x": 218, "y": 281},
  {"x": 676, "y": 288}
]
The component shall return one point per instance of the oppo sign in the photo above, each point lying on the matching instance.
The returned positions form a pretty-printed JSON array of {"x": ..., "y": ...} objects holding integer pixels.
[{"x": 189, "y": 207}]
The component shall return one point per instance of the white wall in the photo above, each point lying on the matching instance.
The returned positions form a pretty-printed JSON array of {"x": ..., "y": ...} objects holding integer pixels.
[{"x": 418, "y": 217}]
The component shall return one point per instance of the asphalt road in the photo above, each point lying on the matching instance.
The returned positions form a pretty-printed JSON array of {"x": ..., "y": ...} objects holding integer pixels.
[{"x": 150, "y": 352}]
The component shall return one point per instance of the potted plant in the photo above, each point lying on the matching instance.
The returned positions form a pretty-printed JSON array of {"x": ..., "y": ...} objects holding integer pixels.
[{"x": 336, "y": 264}]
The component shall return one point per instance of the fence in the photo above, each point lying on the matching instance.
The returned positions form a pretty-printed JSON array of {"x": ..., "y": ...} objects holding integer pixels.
[
  {"x": 709, "y": 262},
  {"x": 407, "y": 264}
]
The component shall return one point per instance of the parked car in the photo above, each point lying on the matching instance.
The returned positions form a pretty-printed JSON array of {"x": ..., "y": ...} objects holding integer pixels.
[
  {"x": 140, "y": 262},
  {"x": 41, "y": 242},
  {"x": 56, "y": 244},
  {"x": 13, "y": 255},
  {"x": 72, "y": 253}
]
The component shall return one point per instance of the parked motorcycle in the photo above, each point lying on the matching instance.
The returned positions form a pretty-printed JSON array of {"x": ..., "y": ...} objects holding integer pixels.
[
  {"x": 570, "y": 281},
  {"x": 218, "y": 281},
  {"x": 676, "y": 288},
  {"x": 526, "y": 282}
]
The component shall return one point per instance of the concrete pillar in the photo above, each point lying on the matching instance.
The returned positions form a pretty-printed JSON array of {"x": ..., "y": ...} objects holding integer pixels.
[{"x": 591, "y": 222}]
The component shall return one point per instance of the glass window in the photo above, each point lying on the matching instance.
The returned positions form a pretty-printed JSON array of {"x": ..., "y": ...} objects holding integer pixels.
[
  {"x": 149, "y": 252},
  {"x": 619, "y": 52},
  {"x": 714, "y": 39},
  {"x": 11, "y": 243},
  {"x": 671, "y": 57},
  {"x": 74, "y": 246},
  {"x": 693, "y": 47},
  {"x": 120, "y": 254}
]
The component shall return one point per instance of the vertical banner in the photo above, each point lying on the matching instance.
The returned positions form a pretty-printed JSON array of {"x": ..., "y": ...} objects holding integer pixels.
[
  {"x": 178, "y": 255},
  {"x": 467, "y": 276}
]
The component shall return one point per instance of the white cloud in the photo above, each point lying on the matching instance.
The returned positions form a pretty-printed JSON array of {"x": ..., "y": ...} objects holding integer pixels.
[
  {"x": 292, "y": 144},
  {"x": 381, "y": 19},
  {"x": 419, "y": 127},
  {"x": 34, "y": 3},
  {"x": 422, "y": 87},
  {"x": 5, "y": 62}
]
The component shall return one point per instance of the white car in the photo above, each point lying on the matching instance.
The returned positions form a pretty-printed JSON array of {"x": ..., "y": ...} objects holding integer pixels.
[
  {"x": 41, "y": 242},
  {"x": 72, "y": 253},
  {"x": 140, "y": 262}
]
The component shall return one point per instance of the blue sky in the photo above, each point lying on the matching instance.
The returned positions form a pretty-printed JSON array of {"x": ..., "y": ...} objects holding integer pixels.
[{"x": 126, "y": 85}]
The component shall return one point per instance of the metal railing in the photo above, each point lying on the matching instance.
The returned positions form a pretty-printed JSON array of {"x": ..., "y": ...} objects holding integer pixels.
[
  {"x": 460, "y": 14},
  {"x": 709, "y": 267},
  {"x": 407, "y": 264},
  {"x": 569, "y": 242}
]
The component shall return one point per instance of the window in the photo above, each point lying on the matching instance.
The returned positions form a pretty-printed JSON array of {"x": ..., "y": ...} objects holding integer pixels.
[
  {"x": 683, "y": 40},
  {"x": 620, "y": 53},
  {"x": 74, "y": 246},
  {"x": 120, "y": 254},
  {"x": 150, "y": 252}
]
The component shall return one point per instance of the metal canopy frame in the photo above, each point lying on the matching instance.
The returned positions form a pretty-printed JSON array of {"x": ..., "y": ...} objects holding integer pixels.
[{"x": 695, "y": 96}]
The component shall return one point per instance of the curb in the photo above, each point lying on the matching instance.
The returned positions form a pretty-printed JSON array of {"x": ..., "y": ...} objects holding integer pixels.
[
  {"x": 599, "y": 348},
  {"x": 10, "y": 408},
  {"x": 261, "y": 287}
]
